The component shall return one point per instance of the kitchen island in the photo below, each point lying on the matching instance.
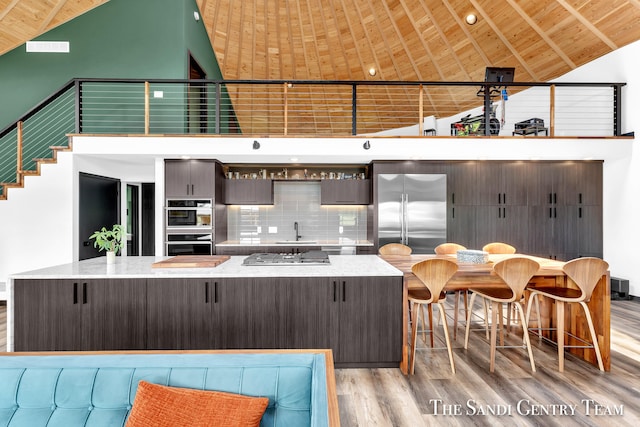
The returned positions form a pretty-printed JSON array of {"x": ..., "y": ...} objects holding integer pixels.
[{"x": 353, "y": 305}]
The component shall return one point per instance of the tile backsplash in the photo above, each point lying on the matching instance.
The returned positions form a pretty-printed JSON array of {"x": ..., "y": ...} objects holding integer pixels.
[{"x": 296, "y": 202}]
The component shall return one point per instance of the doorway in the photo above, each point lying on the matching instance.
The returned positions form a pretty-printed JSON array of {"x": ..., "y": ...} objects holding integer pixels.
[
  {"x": 197, "y": 98},
  {"x": 133, "y": 220},
  {"x": 99, "y": 206}
]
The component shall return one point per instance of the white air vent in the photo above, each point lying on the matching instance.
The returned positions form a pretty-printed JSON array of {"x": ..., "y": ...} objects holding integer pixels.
[{"x": 55, "y": 47}]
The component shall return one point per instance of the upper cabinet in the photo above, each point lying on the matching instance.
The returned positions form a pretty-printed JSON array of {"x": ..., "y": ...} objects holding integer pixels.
[
  {"x": 345, "y": 192},
  {"x": 502, "y": 183},
  {"x": 248, "y": 192},
  {"x": 190, "y": 178}
]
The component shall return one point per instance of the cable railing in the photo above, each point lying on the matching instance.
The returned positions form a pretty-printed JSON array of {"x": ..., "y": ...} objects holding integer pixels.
[{"x": 308, "y": 108}]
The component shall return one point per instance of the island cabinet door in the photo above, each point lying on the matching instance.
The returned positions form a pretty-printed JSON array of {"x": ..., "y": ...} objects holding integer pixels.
[
  {"x": 248, "y": 313},
  {"x": 180, "y": 314},
  {"x": 370, "y": 321},
  {"x": 311, "y": 313},
  {"x": 113, "y": 314},
  {"x": 47, "y": 315}
]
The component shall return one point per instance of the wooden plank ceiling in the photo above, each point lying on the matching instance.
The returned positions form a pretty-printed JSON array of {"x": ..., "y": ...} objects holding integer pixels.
[{"x": 403, "y": 40}]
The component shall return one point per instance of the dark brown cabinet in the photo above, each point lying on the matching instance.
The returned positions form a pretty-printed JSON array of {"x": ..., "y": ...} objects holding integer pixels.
[
  {"x": 360, "y": 318},
  {"x": 248, "y": 192},
  {"x": 248, "y": 313},
  {"x": 345, "y": 192},
  {"x": 179, "y": 313},
  {"x": 548, "y": 208},
  {"x": 370, "y": 320},
  {"x": 190, "y": 178},
  {"x": 97, "y": 314}
]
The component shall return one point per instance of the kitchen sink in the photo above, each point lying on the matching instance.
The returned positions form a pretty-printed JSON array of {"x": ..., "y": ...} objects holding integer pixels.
[{"x": 296, "y": 242}]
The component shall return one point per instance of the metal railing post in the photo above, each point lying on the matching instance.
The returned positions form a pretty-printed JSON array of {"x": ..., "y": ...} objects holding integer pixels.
[
  {"x": 78, "y": 98},
  {"x": 617, "y": 108},
  {"x": 552, "y": 110},
  {"x": 354, "y": 110},
  {"x": 421, "y": 112},
  {"x": 487, "y": 110}
]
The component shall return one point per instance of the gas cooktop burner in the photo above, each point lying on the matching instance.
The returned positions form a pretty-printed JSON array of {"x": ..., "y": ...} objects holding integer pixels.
[{"x": 305, "y": 258}]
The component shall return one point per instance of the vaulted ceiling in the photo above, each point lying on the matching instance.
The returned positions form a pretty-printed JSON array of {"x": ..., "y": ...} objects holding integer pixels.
[{"x": 405, "y": 40}]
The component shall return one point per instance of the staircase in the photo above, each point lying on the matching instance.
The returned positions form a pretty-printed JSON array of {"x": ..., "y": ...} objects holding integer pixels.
[
  {"x": 36, "y": 138},
  {"x": 20, "y": 174}
]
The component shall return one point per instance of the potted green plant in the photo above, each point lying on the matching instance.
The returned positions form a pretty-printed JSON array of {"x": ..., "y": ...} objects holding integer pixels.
[{"x": 109, "y": 241}]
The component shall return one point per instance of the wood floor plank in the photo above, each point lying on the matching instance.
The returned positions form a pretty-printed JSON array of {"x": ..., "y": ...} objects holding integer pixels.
[{"x": 387, "y": 398}]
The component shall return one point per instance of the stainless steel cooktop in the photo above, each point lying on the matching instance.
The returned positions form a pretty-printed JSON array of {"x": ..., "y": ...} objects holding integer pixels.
[{"x": 304, "y": 258}]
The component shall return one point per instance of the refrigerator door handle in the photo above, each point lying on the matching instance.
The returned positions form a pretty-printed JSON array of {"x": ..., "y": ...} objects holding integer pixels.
[
  {"x": 406, "y": 219},
  {"x": 402, "y": 218}
]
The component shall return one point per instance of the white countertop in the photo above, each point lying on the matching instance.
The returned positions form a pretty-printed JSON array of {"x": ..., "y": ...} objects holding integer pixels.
[
  {"x": 140, "y": 267},
  {"x": 303, "y": 242}
]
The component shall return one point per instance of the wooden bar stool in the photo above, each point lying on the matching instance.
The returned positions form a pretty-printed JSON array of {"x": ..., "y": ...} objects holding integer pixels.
[
  {"x": 586, "y": 273},
  {"x": 400, "y": 249},
  {"x": 502, "y": 248},
  {"x": 394, "y": 249},
  {"x": 452, "y": 249},
  {"x": 434, "y": 273},
  {"x": 516, "y": 273}
]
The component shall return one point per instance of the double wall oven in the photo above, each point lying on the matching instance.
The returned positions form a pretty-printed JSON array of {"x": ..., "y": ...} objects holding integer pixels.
[{"x": 189, "y": 227}]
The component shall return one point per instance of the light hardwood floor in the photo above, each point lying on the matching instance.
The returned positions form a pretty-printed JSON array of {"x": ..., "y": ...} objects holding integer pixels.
[{"x": 385, "y": 397}]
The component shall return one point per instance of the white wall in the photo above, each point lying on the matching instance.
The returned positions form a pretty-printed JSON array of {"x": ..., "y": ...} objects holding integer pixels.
[
  {"x": 37, "y": 221},
  {"x": 621, "y": 176}
]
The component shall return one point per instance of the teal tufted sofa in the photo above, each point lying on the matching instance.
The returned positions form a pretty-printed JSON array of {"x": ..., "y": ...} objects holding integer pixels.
[{"x": 66, "y": 390}]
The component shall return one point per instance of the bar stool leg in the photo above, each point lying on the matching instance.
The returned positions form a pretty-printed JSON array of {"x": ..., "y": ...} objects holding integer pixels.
[
  {"x": 525, "y": 332},
  {"x": 494, "y": 332},
  {"x": 560, "y": 333},
  {"x": 443, "y": 317},
  {"x": 594, "y": 338},
  {"x": 415, "y": 312}
]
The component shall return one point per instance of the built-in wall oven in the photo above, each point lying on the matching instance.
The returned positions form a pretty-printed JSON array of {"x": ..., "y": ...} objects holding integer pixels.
[
  {"x": 189, "y": 227},
  {"x": 189, "y": 244},
  {"x": 189, "y": 213}
]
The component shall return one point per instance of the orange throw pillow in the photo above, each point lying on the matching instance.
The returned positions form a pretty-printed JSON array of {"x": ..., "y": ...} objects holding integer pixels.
[{"x": 159, "y": 406}]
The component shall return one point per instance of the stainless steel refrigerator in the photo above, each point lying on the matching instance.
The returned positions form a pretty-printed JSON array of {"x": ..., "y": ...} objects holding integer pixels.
[{"x": 412, "y": 210}]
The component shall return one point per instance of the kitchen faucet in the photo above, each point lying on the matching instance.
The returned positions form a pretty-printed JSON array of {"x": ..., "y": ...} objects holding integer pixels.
[{"x": 295, "y": 227}]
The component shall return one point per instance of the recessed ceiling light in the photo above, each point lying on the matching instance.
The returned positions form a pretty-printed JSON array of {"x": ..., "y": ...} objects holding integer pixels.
[
  {"x": 372, "y": 71},
  {"x": 471, "y": 18}
]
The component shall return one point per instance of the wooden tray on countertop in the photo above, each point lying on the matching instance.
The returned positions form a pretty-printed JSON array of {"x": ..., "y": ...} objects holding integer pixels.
[{"x": 191, "y": 261}]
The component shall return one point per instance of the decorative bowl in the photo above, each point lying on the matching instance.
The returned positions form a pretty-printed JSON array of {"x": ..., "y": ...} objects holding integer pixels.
[{"x": 472, "y": 256}]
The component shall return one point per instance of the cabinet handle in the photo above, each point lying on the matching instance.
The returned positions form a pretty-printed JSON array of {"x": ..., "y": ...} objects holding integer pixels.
[
  {"x": 206, "y": 292},
  {"x": 550, "y": 212},
  {"x": 75, "y": 292},
  {"x": 504, "y": 198},
  {"x": 504, "y": 212},
  {"x": 499, "y": 198},
  {"x": 453, "y": 198},
  {"x": 84, "y": 292},
  {"x": 550, "y": 198},
  {"x": 192, "y": 192},
  {"x": 499, "y": 213},
  {"x": 344, "y": 297},
  {"x": 187, "y": 189},
  {"x": 453, "y": 213},
  {"x": 580, "y": 198},
  {"x": 215, "y": 292},
  {"x": 555, "y": 198},
  {"x": 555, "y": 212},
  {"x": 579, "y": 212},
  {"x": 335, "y": 288}
]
